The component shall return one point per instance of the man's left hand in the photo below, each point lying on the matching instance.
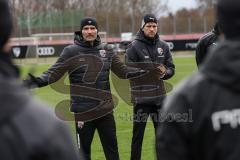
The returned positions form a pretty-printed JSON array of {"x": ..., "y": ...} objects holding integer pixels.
[{"x": 161, "y": 71}]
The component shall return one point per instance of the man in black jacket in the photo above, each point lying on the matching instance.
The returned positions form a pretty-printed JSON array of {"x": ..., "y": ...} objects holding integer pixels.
[
  {"x": 207, "y": 42},
  {"x": 88, "y": 63},
  {"x": 211, "y": 98},
  {"x": 28, "y": 129},
  {"x": 150, "y": 53}
]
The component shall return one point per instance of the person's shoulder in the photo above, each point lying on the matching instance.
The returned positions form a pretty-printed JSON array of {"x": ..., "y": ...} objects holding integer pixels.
[
  {"x": 37, "y": 125},
  {"x": 132, "y": 46},
  {"x": 190, "y": 83},
  {"x": 29, "y": 115},
  {"x": 163, "y": 43},
  {"x": 188, "y": 90},
  {"x": 208, "y": 36},
  {"x": 71, "y": 47},
  {"x": 70, "y": 50},
  {"x": 134, "y": 43},
  {"x": 38, "y": 120},
  {"x": 40, "y": 113}
]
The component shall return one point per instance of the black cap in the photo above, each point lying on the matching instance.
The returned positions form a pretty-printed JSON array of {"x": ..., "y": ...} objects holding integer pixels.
[
  {"x": 5, "y": 22},
  {"x": 228, "y": 14},
  {"x": 88, "y": 21},
  {"x": 148, "y": 18}
]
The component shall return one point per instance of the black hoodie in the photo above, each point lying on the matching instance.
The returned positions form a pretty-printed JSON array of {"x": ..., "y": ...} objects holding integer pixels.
[
  {"x": 205, "y": 44},
  {"x": 8, "y": 73},
  {"x": 88, "y": 67},
  {"x": 7, "y": 69},
  {"x": 23, "y": 131},
  {"x": 148, "y": 54},
  {"x": 211, "y": 100},
  {"x": 224, "y": 66}
]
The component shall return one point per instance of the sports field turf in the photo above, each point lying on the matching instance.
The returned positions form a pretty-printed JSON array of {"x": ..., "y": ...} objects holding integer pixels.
[{"x": 123, "y": 112}]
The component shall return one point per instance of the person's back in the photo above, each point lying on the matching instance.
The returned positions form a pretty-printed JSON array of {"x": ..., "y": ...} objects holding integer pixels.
[
  {"x": 28, "y": 130},
  {"x": 211, "y": 99},
  {"x": 218, "y": 123},
  {"x": 205, "y": 109}
]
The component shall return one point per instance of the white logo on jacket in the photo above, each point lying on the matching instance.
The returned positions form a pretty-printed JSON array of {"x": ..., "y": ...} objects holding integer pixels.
[
  {"x": 226, "y": 117},
  {"x": 102, "y": 53},
  {"x": 160, "y": 52},
  {"x": 16, "y": 51}
]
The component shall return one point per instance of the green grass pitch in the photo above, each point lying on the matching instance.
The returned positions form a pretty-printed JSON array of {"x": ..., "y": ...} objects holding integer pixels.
[{"x": 123, "y": 112}]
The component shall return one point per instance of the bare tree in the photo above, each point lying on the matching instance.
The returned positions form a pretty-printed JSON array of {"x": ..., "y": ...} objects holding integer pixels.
[
  {"x": 113, "y": 15},
  {"x": 206, "y": 3}
]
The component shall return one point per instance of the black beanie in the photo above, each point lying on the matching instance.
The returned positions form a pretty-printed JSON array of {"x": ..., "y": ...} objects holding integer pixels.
[
  {"x": 88, "y": 21},
  {"x": 5, "y": 22},
  {"x": 148, "y": 18},
  {"x": 228, "y": 14}
]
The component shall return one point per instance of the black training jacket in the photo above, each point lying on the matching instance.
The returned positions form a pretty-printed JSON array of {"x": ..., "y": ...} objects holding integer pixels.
[
  {"x": 204, "y": 45},
  {"x": 28, "y": 129},
  {"x": 204, "y": 112},
  {"x": 148, "y": 54},
  {"x": 88, "y": 68}
]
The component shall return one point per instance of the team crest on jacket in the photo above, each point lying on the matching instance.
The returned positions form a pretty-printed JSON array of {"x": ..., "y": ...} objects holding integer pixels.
[
  {"x": 16, "y": 51},
  {"x": 102, "y": 53},
  {"x": 160, "y": 51}
]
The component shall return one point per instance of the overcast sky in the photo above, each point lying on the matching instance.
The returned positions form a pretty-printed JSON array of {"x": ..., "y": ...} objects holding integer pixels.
[{"x": 174, "y": 5}]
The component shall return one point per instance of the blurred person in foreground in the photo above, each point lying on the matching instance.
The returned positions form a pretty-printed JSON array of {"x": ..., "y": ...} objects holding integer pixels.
[
  {"x": 148, "y": 92},
  {"x": 88, "y": 63},
  {"x": 28, "y": 129},
  {"x": 208, "y": 42},
  {"x": 212, "y": 95}
]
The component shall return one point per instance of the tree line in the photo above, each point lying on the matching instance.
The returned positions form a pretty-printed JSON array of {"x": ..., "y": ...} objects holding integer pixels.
[{"x": 114, "y": 16}]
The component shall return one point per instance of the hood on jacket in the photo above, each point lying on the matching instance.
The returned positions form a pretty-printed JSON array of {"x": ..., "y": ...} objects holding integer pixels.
[
  {"x": 141, "y": 37},
  {"x": 7, "y": 69},
  {"x": 11, "y": 92},
  {"x": 78, "y": 39},
  {"x": 223, "y": 65}
]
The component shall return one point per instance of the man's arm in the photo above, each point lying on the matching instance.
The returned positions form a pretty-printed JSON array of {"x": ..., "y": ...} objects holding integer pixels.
[
  {"x": 131, "y": 55},
  {"x": 168, "y": 64},
  {"x": 54, "y": 73},
  {"x": 123, "y": 71},
  {"x": 200, "y": 52}
]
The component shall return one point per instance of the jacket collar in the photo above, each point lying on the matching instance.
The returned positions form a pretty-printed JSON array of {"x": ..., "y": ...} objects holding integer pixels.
[
  {"x": 78, "y": 39},
  {"x": 141, "y": 37}
]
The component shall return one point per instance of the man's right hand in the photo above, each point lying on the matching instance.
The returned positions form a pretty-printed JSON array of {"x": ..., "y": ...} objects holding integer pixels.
[
  {"x": 161, "y": 71},
  {"x": 31, "y": 81}
]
